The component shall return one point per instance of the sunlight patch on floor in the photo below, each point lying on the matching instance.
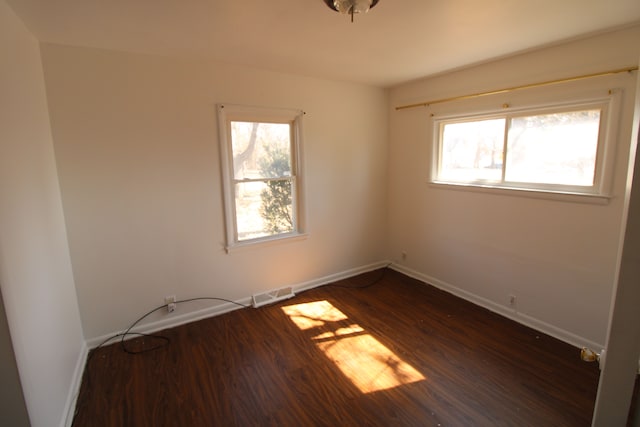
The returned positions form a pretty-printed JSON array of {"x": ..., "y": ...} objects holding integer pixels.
[
  {"x": 313, "y": 314},
  {"x": 368, "y": 363}
]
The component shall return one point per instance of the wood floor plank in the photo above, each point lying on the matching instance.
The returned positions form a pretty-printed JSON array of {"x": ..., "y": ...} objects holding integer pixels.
[{"x": 395, "y": 353}]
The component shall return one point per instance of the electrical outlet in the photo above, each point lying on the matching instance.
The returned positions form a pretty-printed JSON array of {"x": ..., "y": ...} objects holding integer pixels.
[
  {"x": 512, "y": 300},
  {"x": 170, "y": 301}
]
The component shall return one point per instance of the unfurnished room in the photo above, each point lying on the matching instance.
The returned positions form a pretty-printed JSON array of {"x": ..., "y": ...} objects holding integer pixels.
[{"x": 320, "y": 213}]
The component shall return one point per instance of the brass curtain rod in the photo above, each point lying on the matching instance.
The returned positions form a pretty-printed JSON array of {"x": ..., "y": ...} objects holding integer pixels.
[{"x": 513, "y": 88}]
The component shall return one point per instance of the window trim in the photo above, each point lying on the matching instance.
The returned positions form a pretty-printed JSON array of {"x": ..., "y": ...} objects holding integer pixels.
[
  {"x": 232, "y": 112},
  {"x": 599, "y": 192}
]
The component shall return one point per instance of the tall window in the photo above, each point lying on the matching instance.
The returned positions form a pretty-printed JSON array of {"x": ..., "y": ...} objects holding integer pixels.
[
  {"x": 260, "y": 164},
  {"x": 555, "y": 149}
]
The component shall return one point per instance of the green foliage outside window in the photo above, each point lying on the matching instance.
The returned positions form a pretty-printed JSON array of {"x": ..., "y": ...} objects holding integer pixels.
[{"x": 276, "y": 208}]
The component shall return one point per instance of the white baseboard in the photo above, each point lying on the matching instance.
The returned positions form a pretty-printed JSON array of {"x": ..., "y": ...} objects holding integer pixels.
[
  {"x": 173, "y": 321},
  {"x": 532, "y": 322},
  {"x": 74, "y": 388},
  {"x": 193, "y": 316},
  {"x": 340, "y": 276},
  {"x": 537, "y": 324}
]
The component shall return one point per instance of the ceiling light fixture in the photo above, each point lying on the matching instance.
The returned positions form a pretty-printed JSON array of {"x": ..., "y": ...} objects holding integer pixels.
[{"x": 351, "y": 7}]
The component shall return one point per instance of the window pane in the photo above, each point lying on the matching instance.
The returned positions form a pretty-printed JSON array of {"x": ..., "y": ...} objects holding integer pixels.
[
  {"x": 261, "y": 150},
  {"x": 553, "y": 148},
  {"x": 472, "y": 151},
  {"x": 263, "y": 208}
]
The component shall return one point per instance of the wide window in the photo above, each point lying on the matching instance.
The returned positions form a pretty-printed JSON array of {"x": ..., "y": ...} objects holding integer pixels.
[
  {"x": 261, "y": 173},
  {"x": 561, "y": 149}
]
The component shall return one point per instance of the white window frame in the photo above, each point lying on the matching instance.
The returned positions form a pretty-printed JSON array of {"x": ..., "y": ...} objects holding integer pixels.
[
  {"x": 599, "y": 192},
  {"x": 228, "y": 113}
]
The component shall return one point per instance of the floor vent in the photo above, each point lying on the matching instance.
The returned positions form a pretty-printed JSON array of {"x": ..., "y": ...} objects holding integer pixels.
[{"x": 258, "y": 300}]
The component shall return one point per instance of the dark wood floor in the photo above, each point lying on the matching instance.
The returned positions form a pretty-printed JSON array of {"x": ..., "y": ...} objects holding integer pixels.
[{"x": 397, "y": 353}]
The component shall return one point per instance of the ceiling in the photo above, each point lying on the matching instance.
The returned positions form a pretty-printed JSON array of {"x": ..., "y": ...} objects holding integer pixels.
[{"x": 397, "y": 41}]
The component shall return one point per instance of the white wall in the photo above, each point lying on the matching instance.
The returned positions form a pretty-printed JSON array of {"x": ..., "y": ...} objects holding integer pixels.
[
  {"x": 557, "y": 257},
  {"x": 136, "y": 142},
  {"x": 35, "y": 270},
  {"x": 618, "y": 377}
]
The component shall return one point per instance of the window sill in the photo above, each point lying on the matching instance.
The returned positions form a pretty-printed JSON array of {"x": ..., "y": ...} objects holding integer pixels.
[
  {"x": 265, "y": 241},
  {"x": 595, "y": 199}
]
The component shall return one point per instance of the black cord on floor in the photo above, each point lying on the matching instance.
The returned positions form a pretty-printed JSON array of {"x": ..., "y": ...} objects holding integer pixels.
[
  {"x": 367, "y": 285},
  {"x": 164, "y": 306},
  {"x": 127, "y": 332}
]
